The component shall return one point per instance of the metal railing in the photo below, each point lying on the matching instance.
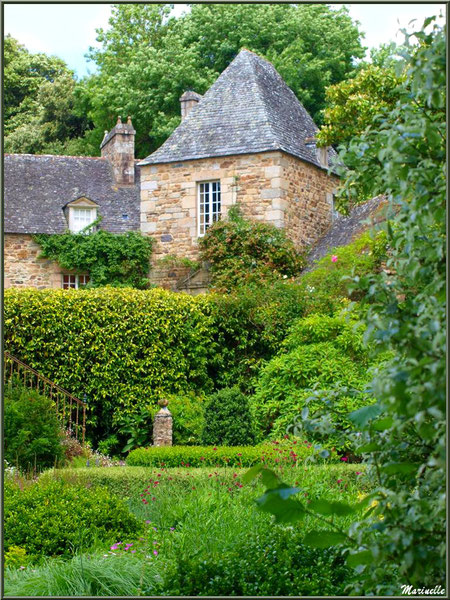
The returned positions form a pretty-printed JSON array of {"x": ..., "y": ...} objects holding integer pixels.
[{"x": 68, "y": 406}]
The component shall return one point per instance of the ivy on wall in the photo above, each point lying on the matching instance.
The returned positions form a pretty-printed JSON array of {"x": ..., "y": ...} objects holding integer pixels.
[{"x": 119, "y": 260}]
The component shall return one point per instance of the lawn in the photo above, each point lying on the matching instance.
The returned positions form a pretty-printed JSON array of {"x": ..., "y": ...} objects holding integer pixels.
[{"x": 202, "y": 534}]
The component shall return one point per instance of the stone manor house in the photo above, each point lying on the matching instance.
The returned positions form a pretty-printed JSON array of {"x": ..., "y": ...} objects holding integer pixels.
[{"x": 247, "y": 140}]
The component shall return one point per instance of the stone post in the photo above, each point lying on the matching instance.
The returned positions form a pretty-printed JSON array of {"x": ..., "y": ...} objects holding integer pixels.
[{"x": 162, "y": 426}]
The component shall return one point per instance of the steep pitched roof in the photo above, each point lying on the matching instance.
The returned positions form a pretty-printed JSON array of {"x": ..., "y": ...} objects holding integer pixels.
[
  {"x": 248, "y": 109},
  {"x": 37, "y": 188}
]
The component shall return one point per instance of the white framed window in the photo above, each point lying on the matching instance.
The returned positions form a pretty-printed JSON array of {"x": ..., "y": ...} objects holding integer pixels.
[
  {"x": 81, "y": 217},
  {"x": 74, "y": 282},
  {"x": 208, "y": 205}
]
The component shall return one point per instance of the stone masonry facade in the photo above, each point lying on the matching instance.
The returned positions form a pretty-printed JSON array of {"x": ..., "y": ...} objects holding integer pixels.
[
  {"x": 270, "y": 186},
  {"x": 22, "y": 266}
]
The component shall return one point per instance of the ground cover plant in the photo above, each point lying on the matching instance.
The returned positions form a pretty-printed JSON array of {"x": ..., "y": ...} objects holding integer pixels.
[{"x": 193, "y": 519}]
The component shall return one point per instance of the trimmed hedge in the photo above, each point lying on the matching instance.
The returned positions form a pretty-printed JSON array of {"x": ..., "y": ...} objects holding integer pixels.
[
  {"x": 123, "y": 348},
  {"x": 276, "y": 453}
]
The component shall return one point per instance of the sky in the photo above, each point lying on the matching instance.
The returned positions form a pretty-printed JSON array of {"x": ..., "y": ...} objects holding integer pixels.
[{"x": 67, "y": 30}]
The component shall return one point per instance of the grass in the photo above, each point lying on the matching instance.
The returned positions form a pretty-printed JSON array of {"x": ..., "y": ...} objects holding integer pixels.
[{"x": 203, "y": 525}]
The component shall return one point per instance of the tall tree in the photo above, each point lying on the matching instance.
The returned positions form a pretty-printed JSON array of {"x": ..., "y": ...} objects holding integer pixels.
[
  {"x": 371, "y": 91},
  {"x": 148, "y": 59},
  {"x": 40, "y": 102}
]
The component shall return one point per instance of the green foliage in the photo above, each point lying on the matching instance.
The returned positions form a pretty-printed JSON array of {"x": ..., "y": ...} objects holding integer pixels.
[
  {"x": 32, "y": 431},
  {"x": 16, "y": 557},
  {"x": 120, "y": 260},
  {"x": 109, "y": 445},
  {"x": 320, "y": 352},
  {"x": 227, "y": 419},
  {"x": 54, "y": 518},
  {"x": 188, "y": 418},
  {"x": 217, "y": 456},
  {"x": 242, "y": 251},
  {"x": 41, "y": 111},
  {"x": 199, "y": 517},
  {"x": 262, "y": 565},
  {"x": 123, "y": 348},
  {"x": 250, "y": 324},
  {"x": 124, "y": 482},
  {"x": 326, "y": 288},
  {"x": 401, "y": 535},
  {"x": 353, "y": 104}
]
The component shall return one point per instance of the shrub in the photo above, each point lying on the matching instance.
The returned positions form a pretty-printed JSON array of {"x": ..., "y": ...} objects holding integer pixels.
[
  {"x": 32, "y": 430},
  {"x": 227, "y": 419},
  {"x": 328, "y": 284},
  {"x": 320, "y": 352},
  {"x": 188, "y": 418},
  {"x": 242, "y": 251},
  {"x": 264, "y": 564},
  {"x": 249, "y": 326},
  {"x": 53, "y": 518}
]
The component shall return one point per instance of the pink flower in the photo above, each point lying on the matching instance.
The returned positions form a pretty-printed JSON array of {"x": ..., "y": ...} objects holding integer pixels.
[
  {"x": 339, "y": 480},
  {"x": 344, "y": 458},
  {"x": 358, "y": 473},
  {"x": 334, "y": 258},
  {"x": 155, "y": 552}
]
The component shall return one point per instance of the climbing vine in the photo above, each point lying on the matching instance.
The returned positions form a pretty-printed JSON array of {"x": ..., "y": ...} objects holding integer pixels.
[{"x": 119, "y": 260}]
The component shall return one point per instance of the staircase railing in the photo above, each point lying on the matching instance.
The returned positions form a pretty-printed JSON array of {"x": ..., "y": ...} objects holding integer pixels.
[{"x": 68, "y": 406}]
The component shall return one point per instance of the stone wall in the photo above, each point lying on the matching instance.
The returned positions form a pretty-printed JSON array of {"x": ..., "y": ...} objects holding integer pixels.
[
  {"x": 308, "y": 206},
  {"x": 269, "y": 186},
  {"x": 23, "y": 269}
]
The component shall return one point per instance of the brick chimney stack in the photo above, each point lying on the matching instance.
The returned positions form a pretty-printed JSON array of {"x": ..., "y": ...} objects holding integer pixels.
[
  {"x": 188, "y": 100},
  {"x": 118, "y": 147}
]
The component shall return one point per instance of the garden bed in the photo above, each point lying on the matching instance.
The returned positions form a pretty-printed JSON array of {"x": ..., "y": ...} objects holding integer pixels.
[{"x": 202, "y": 534}]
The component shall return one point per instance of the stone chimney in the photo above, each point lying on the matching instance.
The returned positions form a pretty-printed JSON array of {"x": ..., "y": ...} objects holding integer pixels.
[
  {"x": 188, "y": 100},
  {"x": 321, "y": 153},
  {"x": 118, "y": 147}
]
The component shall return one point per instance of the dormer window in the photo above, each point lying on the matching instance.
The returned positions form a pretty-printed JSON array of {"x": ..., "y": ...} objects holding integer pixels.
[{"x": 81, "y": 214}]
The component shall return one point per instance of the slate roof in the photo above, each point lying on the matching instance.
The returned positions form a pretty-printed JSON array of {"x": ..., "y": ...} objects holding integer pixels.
[
  {"x": 346, "y": 228},
  {"x": 248, "y": 109},
  {"x": 36, "y": 189}
]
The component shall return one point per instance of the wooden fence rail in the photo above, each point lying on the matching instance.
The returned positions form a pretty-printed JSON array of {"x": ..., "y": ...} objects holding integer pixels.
[{"x": 68, "y": 406}]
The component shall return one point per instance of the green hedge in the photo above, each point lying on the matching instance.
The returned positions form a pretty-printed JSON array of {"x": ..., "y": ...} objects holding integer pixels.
[
  {"x": 123, "y": 348},
  {"x": 276, "y": 453}
]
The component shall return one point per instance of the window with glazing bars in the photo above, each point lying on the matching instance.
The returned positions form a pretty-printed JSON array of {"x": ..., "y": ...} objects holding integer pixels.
[
  {"x": 74, "y": 281},
  {"x": 208, "y": 205}
]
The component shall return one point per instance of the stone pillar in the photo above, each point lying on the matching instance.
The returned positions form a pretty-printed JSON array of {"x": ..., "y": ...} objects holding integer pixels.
[{"x": 162, "y": 426}]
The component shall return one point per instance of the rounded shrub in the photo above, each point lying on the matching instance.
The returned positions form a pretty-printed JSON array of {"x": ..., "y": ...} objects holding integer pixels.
[
  {"x": 33, "y": 437},
  {"x": 227, "y": 419},
  {"x": 54, "y": 518}
]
